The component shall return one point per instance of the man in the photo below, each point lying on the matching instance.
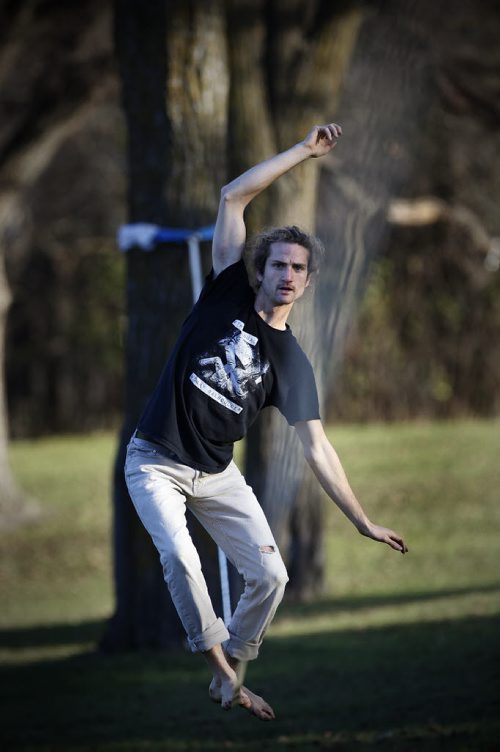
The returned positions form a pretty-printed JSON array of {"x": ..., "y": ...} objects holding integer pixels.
[{"x": 235, "y": 355}]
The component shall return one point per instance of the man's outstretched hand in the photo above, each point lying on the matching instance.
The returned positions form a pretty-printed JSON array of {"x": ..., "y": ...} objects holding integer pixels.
[
  {"x": 322, "y": 139},
  {"x": 385, "y": 535}
]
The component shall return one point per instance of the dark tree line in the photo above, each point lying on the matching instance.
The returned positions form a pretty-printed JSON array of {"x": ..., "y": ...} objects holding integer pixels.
[{"x": 62, "y": 184}]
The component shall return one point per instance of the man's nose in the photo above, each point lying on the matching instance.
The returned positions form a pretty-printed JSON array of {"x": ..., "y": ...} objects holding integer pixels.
[{"x": 287, "y": 272}]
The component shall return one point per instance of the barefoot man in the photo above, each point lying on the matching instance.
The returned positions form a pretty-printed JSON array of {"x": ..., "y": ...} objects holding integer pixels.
[{"x": 235, "y": 355}]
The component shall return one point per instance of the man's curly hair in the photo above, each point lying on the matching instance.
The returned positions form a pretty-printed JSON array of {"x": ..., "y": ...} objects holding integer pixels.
[{"x": 260, "y": 247}]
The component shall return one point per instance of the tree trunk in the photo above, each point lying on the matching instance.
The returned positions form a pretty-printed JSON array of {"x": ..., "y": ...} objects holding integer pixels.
[
  {"x": 176, "y": 160},
  {"x": 305, "y": 61},
  {"x": 15, "y": 507},
  {"x": 310, "y": 48}
]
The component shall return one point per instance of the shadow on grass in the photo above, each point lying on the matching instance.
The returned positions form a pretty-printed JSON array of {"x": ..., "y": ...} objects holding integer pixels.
[
  {"x": 91, "y": 631},
  {"x": 51, "y": 635},
  {"x": 423, "y": 686},
  {"x": 337, "y": 605}
]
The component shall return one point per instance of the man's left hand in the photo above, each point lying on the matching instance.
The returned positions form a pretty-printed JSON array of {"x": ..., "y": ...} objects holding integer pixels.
[{"x": 385, "y": 535}]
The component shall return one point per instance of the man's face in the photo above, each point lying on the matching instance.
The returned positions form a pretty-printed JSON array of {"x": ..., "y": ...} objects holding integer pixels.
[{"x": 285, "y": 274}]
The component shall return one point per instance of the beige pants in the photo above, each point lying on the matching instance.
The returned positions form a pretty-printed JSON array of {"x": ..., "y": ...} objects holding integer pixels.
[{"x": 161, "y": 489}]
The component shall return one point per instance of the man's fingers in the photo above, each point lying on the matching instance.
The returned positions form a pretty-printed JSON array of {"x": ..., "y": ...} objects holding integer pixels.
[
  {"x": 335, "y": 129},
  {"x": 331, "y": 132},
  {"x": 397, "y": 543}
]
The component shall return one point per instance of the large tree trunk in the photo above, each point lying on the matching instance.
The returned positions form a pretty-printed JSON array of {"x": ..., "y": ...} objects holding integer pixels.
[
  {"x": 382, "y": 110},
  {"x": 176, "y": 161},
  {"x": 305, "y": 60},
  {"x": 310, "y": 47}
]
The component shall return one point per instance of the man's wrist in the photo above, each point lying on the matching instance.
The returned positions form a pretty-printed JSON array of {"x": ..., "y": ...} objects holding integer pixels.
[
  {"x": 306, "y": 149},
  {"x": 363, "y": 526}
]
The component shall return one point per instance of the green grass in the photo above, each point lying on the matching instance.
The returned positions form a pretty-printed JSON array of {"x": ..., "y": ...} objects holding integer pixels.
[
  {"x": 59, "y": 569},
  {"x": 402, "y": 653}
]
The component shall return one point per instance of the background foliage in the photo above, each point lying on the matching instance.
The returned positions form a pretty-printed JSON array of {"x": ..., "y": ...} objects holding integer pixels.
[
  {"x": 432, "y": 313},
  {"x": 427, "y": 339}
]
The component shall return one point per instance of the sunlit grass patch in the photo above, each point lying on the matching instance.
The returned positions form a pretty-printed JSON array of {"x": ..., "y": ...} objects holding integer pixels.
[
  {"x": 436, "y": 483},
  {"x": 60, "y": 566}
]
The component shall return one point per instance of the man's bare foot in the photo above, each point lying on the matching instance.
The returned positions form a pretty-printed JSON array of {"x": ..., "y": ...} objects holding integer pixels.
[
  {"x": 258, "y": 706},
  {"x": 248, "y": 700},
  {"x": 214, "y": 690},
  {"x": 226, "y": 686}
]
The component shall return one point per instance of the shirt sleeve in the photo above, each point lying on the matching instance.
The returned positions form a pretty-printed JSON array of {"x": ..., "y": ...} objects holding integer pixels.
[
  {"x": 297, "y": 397},
  {"x": 231, "y": 282}
]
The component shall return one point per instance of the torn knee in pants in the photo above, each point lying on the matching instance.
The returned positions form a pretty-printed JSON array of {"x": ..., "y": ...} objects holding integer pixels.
[{"x": 267, "y": 549}]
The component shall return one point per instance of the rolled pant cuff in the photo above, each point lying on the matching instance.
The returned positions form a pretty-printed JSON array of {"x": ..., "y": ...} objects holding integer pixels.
[
  {"x": 242, "y": 651},
  {"x": 212, "y": 636}
]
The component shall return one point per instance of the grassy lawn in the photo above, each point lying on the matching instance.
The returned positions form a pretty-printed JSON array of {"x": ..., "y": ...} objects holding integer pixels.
[{"x": 402, "y": 653}]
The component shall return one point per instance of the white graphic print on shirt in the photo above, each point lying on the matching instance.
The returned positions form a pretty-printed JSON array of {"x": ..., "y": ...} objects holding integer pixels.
[{"x": 233, "y": 370}]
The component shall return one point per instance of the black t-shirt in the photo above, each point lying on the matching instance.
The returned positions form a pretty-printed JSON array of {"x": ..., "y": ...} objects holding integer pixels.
[{"x": 226, "y": 366}]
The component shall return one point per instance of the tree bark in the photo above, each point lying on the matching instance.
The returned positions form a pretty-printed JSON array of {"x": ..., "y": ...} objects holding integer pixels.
[
  {"x": 15, "y": 507},
  {"x": 176, "y": 155},
  {"x": 305, "y": 61},
  {"x": 310, "y": 47}
]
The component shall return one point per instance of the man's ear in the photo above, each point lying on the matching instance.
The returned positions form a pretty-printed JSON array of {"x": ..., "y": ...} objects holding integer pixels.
[{"x": 308, "y": 280}]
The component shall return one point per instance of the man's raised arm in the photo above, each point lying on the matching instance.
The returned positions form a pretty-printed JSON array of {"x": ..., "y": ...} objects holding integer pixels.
[
  {"x": 230, "y": 232},
  {"x": 326, "y": 465}
]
